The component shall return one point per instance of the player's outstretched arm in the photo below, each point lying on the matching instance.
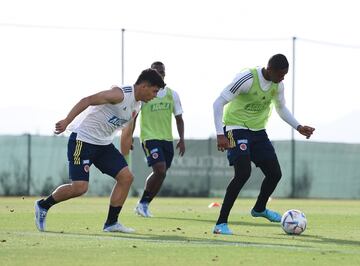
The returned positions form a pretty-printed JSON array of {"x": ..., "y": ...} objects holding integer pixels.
[
  {"x": 307, "y": 131},
  {"x": 112, "y": 96}
]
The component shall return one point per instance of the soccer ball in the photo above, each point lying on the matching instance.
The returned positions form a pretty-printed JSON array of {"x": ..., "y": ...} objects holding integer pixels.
[{"x": 293, "y": 222}]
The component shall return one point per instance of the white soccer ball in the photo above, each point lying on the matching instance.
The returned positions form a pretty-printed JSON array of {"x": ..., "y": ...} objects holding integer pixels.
[{"x": 293, "y": 222}]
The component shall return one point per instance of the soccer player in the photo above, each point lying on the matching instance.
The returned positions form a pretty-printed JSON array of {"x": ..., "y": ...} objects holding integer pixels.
[
  {"x": 240, "y": 115},
  {"x": 157, "y": 139},
  {"x": 91, "y": 143}
]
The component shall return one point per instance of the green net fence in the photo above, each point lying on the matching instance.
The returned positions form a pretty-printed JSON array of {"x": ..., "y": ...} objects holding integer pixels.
[{"x": 35, "y": 165}]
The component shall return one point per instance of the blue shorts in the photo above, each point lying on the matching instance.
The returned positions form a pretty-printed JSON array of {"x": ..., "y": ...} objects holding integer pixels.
[
  {"x": 255, "y": 144},
  {"x": 158, "y": 151},
  {"x": 82, "y": 155}
]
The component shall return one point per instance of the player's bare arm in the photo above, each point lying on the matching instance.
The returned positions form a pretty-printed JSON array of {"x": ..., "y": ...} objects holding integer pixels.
[
  {"x": 180, "y": 127},
  {"x": 305, "y": 130},
  {"x": 112, "y": 96},
  {"x": 126, "y": 139}
]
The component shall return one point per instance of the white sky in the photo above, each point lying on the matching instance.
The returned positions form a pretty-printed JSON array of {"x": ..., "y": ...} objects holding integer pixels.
[{"x": 45, "y": 70}]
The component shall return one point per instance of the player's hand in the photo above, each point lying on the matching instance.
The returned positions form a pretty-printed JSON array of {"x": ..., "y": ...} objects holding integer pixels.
[
  {"x": 222, "y": 143},
  {"x": 60, "y": 126},
  {"x": 181, "y": 146},
  {"x": 306, "y": 131}
]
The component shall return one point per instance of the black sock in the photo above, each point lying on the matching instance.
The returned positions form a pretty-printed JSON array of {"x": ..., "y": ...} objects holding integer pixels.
[
  {"x": 272, "y": 172},
  {"x": 146, "y": 198},
  {"x": 242, "y": 169},
  {"x": 231, "y": 194},
  {"x": 113, "y": 215},
  {"x": 47, "y": 203}
]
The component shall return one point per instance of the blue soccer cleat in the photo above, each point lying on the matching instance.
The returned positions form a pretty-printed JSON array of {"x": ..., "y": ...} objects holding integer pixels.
[
  {"x": 272, "y": 216},
  {"x": 222, "y": 229},
  {"x": 40, "y": 216}
]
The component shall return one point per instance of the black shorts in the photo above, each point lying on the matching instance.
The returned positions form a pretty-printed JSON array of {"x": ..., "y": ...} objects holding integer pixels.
[
  {"x": 255, "y": 144},
  {"x": 82, "y": 155},
  {"x": 158, "y": 151}
]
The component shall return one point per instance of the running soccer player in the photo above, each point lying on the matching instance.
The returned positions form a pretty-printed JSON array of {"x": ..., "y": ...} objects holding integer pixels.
[
  {"x": 91, "y": 143},
  {"x": 157, "y": 139},
  {"x": 240, "y": 115}
]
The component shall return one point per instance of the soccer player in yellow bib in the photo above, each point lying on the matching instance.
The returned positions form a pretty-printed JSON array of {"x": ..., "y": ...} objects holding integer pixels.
[
  {"x": 157, "y": 139},
  {"x": 240, "y": 115}
]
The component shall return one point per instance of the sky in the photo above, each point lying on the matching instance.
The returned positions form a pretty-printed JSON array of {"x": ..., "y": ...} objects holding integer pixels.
[{"x": 53, "y": 53}]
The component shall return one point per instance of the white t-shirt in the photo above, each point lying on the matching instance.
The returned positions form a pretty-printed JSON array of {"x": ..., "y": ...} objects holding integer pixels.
[{"x": 101, "y": 122}]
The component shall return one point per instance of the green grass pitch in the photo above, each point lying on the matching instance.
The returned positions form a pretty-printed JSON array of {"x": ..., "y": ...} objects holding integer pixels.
[{"x": 180, "y": 233}]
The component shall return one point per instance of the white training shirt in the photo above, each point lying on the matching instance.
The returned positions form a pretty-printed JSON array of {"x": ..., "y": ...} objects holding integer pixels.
[
  {"x": 101, "y": 122},
  {"x": 177, "y": 103},
  {"x": 241, "y": 85}
]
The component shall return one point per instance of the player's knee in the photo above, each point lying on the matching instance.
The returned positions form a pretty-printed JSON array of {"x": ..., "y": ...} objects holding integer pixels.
[
  {"x": 125, "y": 178},
  {"x": 160, "y": 174},
  {"x": 80, "y": 188},
  {"x": 276, "y": 175},
  {"x": 129, "y": 178},
  {"x": 159, "y": 170},
  {"x": 279, "y": 175},
  {"x": 242, "y": 173}
]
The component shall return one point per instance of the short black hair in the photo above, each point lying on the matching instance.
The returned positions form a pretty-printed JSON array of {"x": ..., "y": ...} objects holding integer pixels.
[
  {"x": 278, "y": 62},
  {"x": 157, "y": 63},
  {"x": 152, "y": 77}
]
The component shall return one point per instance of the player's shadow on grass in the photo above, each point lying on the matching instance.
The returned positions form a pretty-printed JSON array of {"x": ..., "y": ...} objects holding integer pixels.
[
  {"x": 327, "y": 240},
  {"x": 158, "y": 238},
  {"x": 259, "y": 221}
]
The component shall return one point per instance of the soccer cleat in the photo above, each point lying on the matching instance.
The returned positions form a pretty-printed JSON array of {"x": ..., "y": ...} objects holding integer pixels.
[
  {"x": 142, "y": 209},
  {"x": 40, "y": 216},
  {"x": 272, "y": 216},
  {"x": 222, "y": 229},
  {"x": 117, "y": 227}
]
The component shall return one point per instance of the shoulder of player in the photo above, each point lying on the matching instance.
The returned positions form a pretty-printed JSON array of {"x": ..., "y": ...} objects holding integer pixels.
[
  {"x": 174, "y": 92},
  {"x": 123, "y": 89},
  {"x": 244, "y": 77},
  {"x": 281, "y": 87},
  {"x": 127, "y": 89},
  {"x": 242, "y": 82},
  {"x": 247, "y": 72},
  {"x": 121, "y": 93}
]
